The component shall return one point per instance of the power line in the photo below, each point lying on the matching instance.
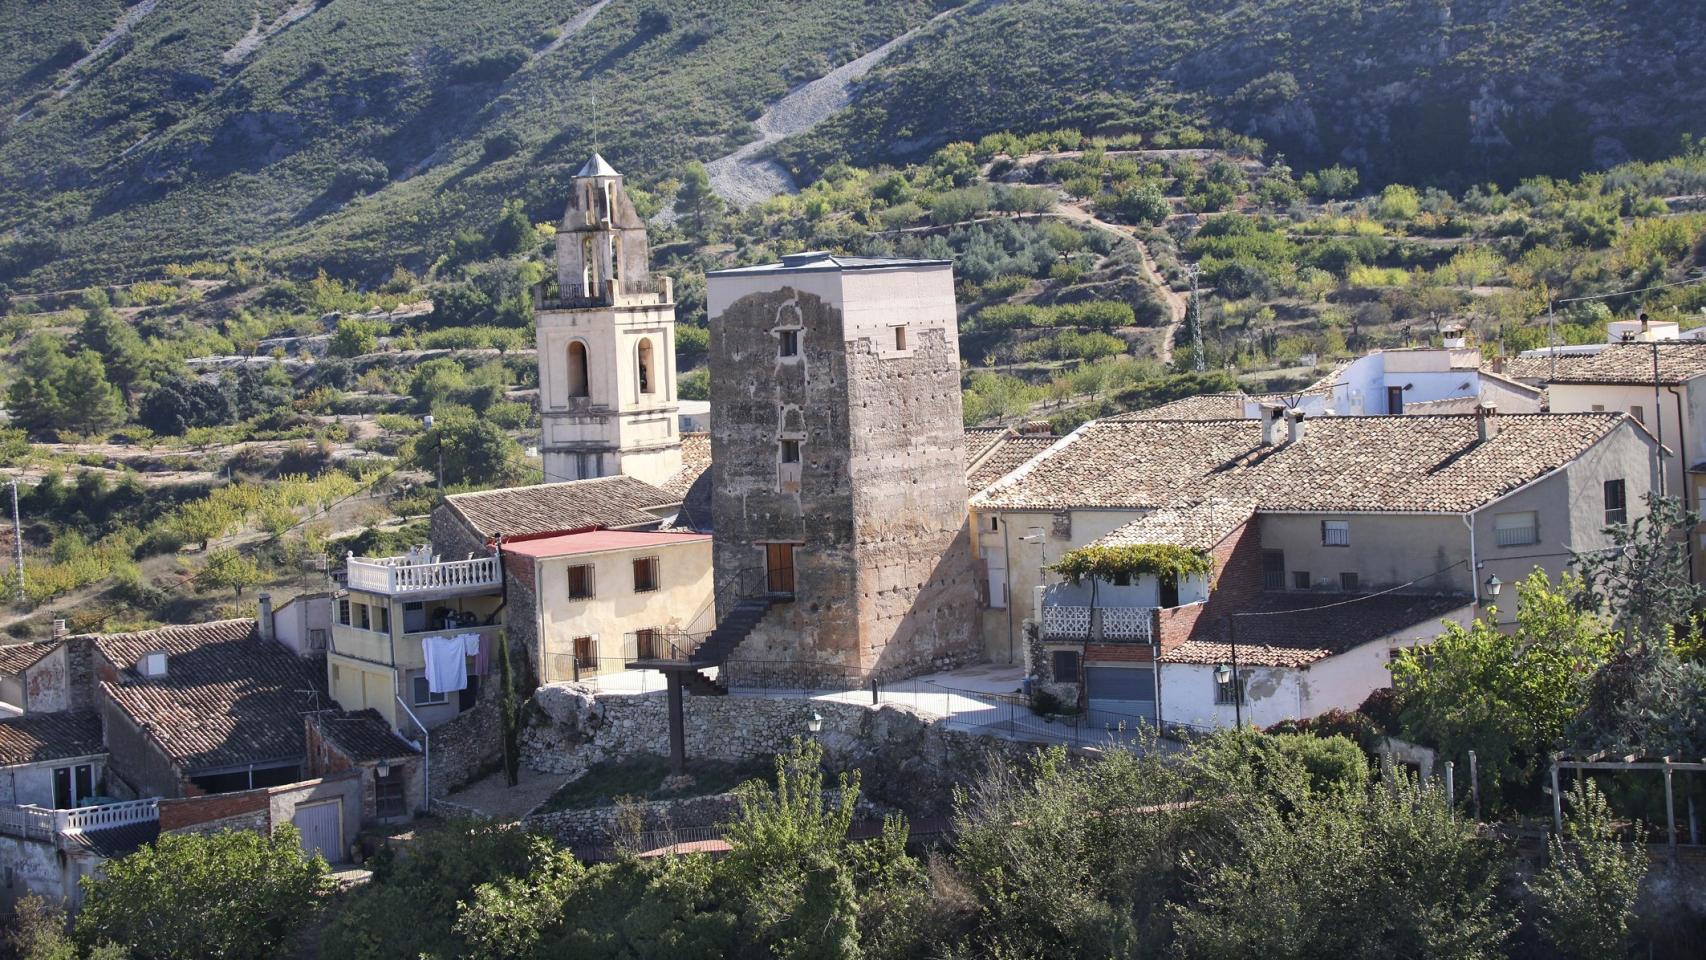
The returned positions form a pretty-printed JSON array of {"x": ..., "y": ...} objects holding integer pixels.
[{"x": 1369, "y": 596}]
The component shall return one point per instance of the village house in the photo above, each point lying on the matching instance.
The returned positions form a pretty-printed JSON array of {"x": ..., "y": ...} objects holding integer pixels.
[
  {"x": 599, "y": 599},
  {"x": 1659, "y": 382},
  {"x": 1405, "y": 521},
  {"x": 35, "y": 677}
]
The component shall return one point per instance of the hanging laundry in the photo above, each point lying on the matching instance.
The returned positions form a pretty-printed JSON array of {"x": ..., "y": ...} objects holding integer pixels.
[
  {"x": 483, "y": 659},
  {"x": 446, "y": 663}
]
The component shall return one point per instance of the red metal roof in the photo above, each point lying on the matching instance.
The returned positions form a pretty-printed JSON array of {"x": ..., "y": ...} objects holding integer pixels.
[{"x": 597, "y": 541}]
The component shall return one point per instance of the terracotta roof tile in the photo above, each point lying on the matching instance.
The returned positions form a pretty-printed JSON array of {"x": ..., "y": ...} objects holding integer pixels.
[
  {"x": 1207, "y": 406},
  {"x": 616, "y": 501},
  {"x": 695, "y": 460},
  {"x": 1679, "y": 362},
  {"x": 980, "y": 440},
  {"x": 1007, "y": 455},
  {"x": 1343, "y": 464},
  {"x": 1303, "y": 628},
  {"x": 364, "y": 736},
  {"x": 1194, "y": 526},
  {"x": 38, "y": 737},
  {"x": 18, "y": 657},
  {"x": 228, "y": 698}
]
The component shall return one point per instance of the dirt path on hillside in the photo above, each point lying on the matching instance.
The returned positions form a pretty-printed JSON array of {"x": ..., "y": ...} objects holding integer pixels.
[
  {"x": 744, "y": 178},
  {"x": 1177, "y": 303},
  {"x": 258, "y": 34},
  {"x": 571, "y": 27},
  {"x": 121, "y": 29}
]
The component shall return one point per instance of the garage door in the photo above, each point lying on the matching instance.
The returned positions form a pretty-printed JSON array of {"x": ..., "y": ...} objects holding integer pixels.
[
  {"x": 322, "y": 828},
  {"x": 1128, "y": 690}
]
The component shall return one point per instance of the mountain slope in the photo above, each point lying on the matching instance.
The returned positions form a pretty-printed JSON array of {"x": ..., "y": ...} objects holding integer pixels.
[{"x": 356, "y": 135}]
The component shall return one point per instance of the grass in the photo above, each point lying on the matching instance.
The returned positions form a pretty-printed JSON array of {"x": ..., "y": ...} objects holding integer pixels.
[{"x": 643, "y": 777}]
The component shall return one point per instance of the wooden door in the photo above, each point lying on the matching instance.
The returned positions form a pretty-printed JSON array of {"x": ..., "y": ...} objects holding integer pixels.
[{"x": 779, "y": 567}]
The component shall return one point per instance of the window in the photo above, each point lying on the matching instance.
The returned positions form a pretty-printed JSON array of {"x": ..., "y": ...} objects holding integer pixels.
[
  {"x": 72, "y": 785},
  {"x": 580, "y": 581},
  {"x": 1122, "y": 579},
  {"x": 1516, "y": 529},
  {"x": 362, "y": 617},
  {"x": 900, "y": 338},
  {"x": 1064, "y": 666},
  {"x": 1616, "y": 504},
  {"x": 316, "y": 638},
  {"x": 423, "y": 696},
  {"x": 995, "y": 522},
  {"x": 646, "y": 645},
  {"x": 388, "y": 800},
  {"x": 585, "y": 659},
  {"x": 645, "y": 574},
  {"x": 647, "y": 377},
  {"x": 577, "y": 369},
  {"x": 790, "y": 451},
  {"x": 1599, "y": 408},
  {"x": 1335, "y": 533},
  {"x": 1273, "y": 569},
  {"x": 788, "y": 343},
  {"x": 1300, "y": 579},
  {"x": 343, "y": 611},
  {"x": 1230, "y": 692},
  {"x": 1349, "y": 581},
  {"x": 384, "y": 618},
  {"x": 1639, "y": 413}
]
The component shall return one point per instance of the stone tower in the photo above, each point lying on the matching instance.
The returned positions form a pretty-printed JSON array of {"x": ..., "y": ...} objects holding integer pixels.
[
  {"x": 840, "y": 466},
  {"x": 607, "y": 343}
]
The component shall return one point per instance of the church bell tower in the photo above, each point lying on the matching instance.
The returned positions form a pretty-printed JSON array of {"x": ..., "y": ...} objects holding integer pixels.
[{"x": 607, "y": 402}]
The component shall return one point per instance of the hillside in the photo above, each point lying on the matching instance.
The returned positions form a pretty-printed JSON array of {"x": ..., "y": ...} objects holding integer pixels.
[{"x": 356, "y": 136}]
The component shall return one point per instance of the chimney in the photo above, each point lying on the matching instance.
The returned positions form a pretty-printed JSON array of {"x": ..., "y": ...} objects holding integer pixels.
[
  {"x": 1294, "y": 419},
  {"x": 1272, "y": 414},
  {"x": 1036, "y": 428},
  {"x": 1646, "y": 333},
  {"x": 59, "y": 629},
  {"x": 263, "y": 619},
  {"x": 1499, "y": 363},
  {"x": 1486, "y": 424},
  {"x": 152, "y": 665}
]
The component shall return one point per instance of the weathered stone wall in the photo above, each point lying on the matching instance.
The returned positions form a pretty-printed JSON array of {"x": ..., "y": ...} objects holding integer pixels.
[
  {"x": 599, "y": 826},
  {"x": 33, "y": 867},
  {"x": 762, "y": 396},
  {"x": 884, "y": 579},
  {"x": 466, "y": 748},
  {"x": 907, "y": 759}
]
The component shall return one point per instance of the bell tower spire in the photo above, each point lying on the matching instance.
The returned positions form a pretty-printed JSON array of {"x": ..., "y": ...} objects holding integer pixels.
[{"x": 607, "y": 401}]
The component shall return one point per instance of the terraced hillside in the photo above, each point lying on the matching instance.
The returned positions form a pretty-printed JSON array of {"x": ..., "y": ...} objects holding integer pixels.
[{"x": 356, "y": 135}]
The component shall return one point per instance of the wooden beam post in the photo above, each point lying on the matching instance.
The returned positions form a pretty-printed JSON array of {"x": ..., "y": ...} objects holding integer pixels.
[
  {"x": 1557, "y": 801},
  {"x": 1670, "y": 813}
]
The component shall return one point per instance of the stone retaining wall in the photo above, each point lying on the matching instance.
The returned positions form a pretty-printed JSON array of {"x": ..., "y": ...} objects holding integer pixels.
[
  {"x": 907, "y": 759},
  {"x": 466, "y": 748}
]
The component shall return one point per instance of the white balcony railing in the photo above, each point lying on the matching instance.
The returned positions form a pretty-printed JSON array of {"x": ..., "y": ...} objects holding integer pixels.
[
  {"x": 41, "y": 823},
  {"x": 398, "y": 575},
  {"x": 1132, "y": 624}
]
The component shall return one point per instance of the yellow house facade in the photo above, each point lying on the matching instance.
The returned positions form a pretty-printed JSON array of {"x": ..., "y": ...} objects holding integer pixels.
[{"x": 599, "y": 599}]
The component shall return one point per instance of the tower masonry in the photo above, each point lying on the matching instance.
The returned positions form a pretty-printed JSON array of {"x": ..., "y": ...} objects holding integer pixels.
[
  {"x": 840, "y": 466},
  {"x": 607, "y": 401}
]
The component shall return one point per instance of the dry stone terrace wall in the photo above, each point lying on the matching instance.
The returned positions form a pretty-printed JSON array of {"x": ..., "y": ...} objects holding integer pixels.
[{"x": 907, "y": 759}]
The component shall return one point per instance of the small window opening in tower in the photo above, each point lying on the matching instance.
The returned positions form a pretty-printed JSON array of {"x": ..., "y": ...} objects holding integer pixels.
[
  {"x": 790, "y": 451},
  {"x": 900, "y": 338},
  {"x": 645, "y": 352},
  {"x": 577, "y": 369},
  {"x": 788, "y": 343}
]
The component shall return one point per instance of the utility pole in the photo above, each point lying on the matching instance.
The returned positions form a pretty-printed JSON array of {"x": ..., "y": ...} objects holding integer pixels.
[
  {"x": 18, "y": 541},
  {"x": 1196, "y": 324}
]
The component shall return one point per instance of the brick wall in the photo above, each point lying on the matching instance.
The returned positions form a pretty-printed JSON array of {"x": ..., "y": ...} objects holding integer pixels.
[
  {"x": 212, "y": 812},
  {"x": 1118, "y": 653},
  {"x": 1237, "y": 582}
]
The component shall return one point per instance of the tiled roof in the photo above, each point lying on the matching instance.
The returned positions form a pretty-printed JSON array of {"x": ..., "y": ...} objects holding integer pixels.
[
  {"x": 1679, "y": 362},
  {"x": 817, "y": 260},
  {"x": 1302, "y": 628},
  {"x": 599, "y": 541},
  {"x": 979, "y": 440},
  {"x": 18, "y": 657},
  {"x": 1194, "y": 526},
  {"x": 1008, "y": 455},
  {"x": 364, "y": 736},
  {"x": 114, "y": 842},
  {"x": 1207, "y": 406},
  {"x": 695, "y": 460},
  {"x": 38, "y": 737},
  {"x": 1342, "y": 464},
  {"x": 617, "y": 501},
  {"x": 228, "y": 698}
]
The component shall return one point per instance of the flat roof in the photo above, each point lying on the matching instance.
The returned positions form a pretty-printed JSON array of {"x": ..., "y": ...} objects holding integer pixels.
[
  {"x": 598, "y": 541},
  {"x": 818, "y": 261}
]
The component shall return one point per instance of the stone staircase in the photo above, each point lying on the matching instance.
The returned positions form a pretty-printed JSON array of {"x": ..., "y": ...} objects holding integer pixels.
[{"x": 721, "y": 642}]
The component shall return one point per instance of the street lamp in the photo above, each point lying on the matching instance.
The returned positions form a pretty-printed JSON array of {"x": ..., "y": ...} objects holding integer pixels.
[
  {"x": 1494, "y": 585},
  {"x": 814, "y": 723},
  {"x": 1229, "y": 674}
]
